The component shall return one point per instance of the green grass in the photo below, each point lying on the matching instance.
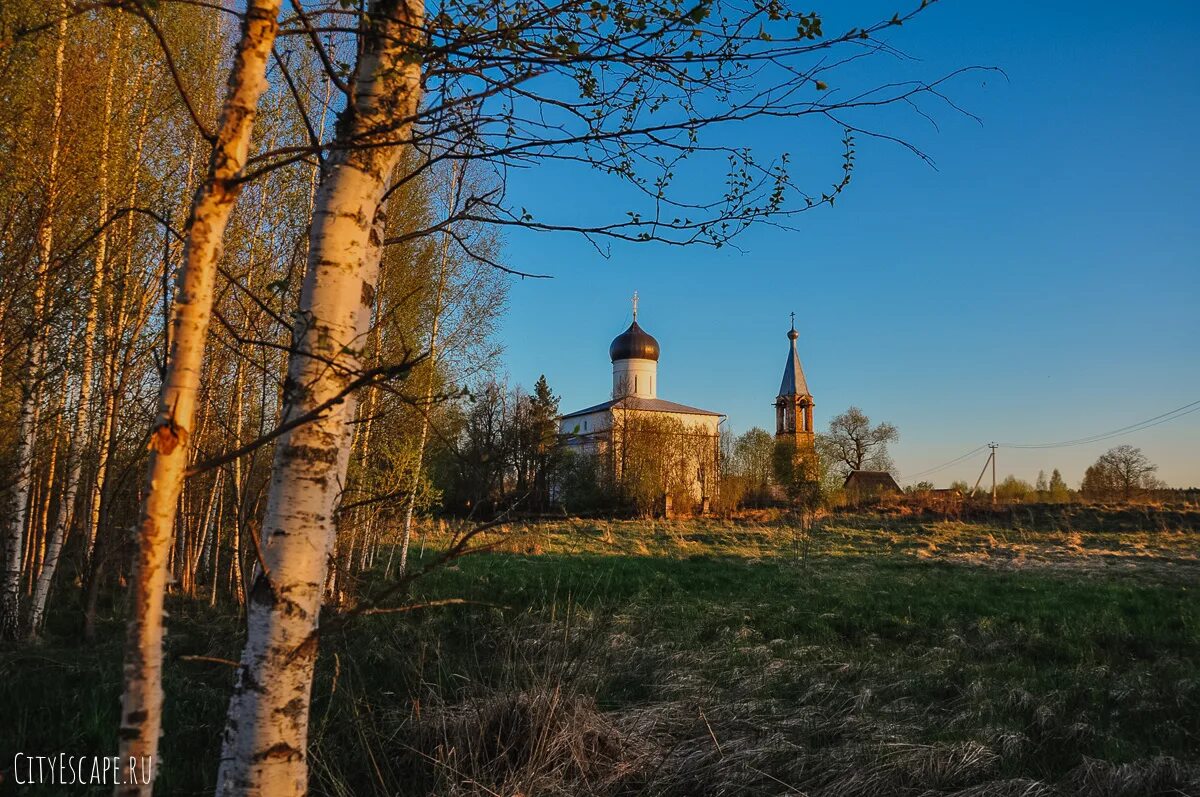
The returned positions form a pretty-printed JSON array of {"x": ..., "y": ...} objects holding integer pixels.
[{"x": 873, "y": 657}]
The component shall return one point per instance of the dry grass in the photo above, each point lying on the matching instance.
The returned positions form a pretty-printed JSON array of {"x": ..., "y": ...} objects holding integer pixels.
[
  {"x": 525, "y": 743},
  {"x": 738, "y": 713},
  {"x": 546, "y": 742},
  {"x": 877, "y": 655},
  {"x": 1017, "y": 540}
]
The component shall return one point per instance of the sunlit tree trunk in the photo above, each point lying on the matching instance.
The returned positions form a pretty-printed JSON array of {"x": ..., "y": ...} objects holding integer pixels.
[
  {"x": 10, "y": 583},
  {"x": 141, "y": 703},
  {"x": 39, "y": 527},
  {"x": 266, "y": 734},
  {"x": 427, "y": 407},
  {"x": 111, "y": 372},
  {"x": 84, "y": 409},
  {"x": 214, "y": 564},
  {"x": 237, "y": 482}
]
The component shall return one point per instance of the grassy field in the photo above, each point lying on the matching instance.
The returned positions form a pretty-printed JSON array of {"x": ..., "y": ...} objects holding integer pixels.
[{"x": 872, "y": 655}]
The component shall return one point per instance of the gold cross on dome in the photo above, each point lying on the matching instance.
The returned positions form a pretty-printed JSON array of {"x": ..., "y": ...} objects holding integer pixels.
[{"x": 635, "y": 301}]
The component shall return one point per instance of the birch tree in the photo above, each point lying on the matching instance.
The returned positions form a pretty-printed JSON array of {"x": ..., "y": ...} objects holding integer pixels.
[
  {"x": 14, "y": 533},
  {"x": 264, "y": 751},
  {"x": 622, "y": 89},
  {"x": 426, "y": 406},
  {"x": 141, "y": 702},
  {"x": 84, "y": 407}
]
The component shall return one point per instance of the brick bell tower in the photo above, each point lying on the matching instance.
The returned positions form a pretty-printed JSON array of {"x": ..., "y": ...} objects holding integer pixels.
[{"x": 794, "y": 404}]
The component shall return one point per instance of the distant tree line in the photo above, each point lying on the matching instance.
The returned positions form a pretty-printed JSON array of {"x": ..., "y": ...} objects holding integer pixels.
[
  {"x": 1123, "y": 473},
  {"x": 498, "y": 451}
]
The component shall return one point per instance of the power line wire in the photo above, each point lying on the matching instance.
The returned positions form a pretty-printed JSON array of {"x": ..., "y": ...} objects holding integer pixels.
[
  {"x": 936, "y": 468},
  {"x": 1171, "y": 415},
  {"x": 1178, "y": 412}
]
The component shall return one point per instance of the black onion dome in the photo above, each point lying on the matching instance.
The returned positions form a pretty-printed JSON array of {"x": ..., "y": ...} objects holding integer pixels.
[{"x": 634, "y": 342}]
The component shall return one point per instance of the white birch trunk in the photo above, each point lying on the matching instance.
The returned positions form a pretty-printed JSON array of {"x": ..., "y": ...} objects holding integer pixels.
[
  {"x": 141, "y": 703},
  {"x": 266, "y": 734},
  {"x": 109, "y": 390},
  {"x": 10, "y": 583},
  {"x": 422, "y": 441},
  {"x": 84, "y": 409}
]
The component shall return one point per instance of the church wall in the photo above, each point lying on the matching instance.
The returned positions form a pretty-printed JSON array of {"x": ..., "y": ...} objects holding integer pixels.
[
  {"x": 586, "y": 431},
  {"x": 702, "y": 450}
]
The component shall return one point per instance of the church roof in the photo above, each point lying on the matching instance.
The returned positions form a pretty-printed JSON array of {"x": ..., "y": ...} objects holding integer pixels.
[
  {"x": 871, "y": 481},
  {"x": 794, "y": 383},
  {"x": 634, "y": 342},
  {"x": 645, "y": 404}
]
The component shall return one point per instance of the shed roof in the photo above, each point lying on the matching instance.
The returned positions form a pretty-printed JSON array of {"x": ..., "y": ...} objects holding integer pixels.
[{"x": 871, "y": 481}]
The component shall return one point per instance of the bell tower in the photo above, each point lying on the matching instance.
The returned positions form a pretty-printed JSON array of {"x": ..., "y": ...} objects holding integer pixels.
[{"x": 794, "y": 404}]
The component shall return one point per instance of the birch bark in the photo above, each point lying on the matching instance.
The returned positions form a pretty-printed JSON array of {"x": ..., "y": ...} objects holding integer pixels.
[
  {"x": 141, "y": 703},
  {"x": 112, "y": 370},
  {"x": 83, "y": 409},
  {"x": 266, "y": 735},
  {"x": 10, "y": 584}
]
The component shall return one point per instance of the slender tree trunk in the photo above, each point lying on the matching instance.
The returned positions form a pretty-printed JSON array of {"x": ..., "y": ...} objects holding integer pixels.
[
  {"x": 423, "y": 438},
  {"x": 204, "y": 541},
  {"x": 239, "y": 487},
  {"x": 364, "y": 518},
  {"x": 84, "y": 409},
  {"x": 109, "y": 391},
  {"x": 240, "y": 483},
  {"x": 266, "y": 733},
  {"x": 141, "y": 703},
  {"x": 10, "y": 584},
  {"x": 216, "y": 548},
  {"x": 40, "y": 530}
]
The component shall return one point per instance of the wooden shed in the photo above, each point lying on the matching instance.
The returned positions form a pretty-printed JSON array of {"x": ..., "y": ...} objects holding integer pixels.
[{"x": 871, "y": 484}]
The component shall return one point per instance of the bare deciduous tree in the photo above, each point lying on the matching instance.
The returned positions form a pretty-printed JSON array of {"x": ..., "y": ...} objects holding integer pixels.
[
  {"x": 1121, "y": 472},
  {"x": 853, "y": 443}
]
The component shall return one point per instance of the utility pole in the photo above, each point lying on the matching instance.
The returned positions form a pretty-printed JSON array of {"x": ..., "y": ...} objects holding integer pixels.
[
  {"x": 982, "y": 471},
  {"x": 993, "y": 446}
]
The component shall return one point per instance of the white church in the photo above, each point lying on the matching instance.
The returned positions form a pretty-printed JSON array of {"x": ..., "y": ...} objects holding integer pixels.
[{"x": 634, "y": 355}]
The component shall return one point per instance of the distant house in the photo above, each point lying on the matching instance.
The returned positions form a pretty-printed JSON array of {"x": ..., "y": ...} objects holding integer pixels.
[
  {"x": 946, "y": 494},
  {"x": 862, "y": 484}
]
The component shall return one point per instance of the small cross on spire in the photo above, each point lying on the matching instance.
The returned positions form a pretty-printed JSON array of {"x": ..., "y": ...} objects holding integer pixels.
[
  {"x": 793, "y": 315},
  {"x": 635, "y": 301}
]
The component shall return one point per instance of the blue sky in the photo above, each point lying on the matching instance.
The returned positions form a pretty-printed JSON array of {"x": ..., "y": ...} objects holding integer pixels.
[{"x": 1040, "y": 284}]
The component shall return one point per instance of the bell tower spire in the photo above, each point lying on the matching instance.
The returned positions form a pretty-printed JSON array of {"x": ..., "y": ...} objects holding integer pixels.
[{"x": 794, "y": 404}]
